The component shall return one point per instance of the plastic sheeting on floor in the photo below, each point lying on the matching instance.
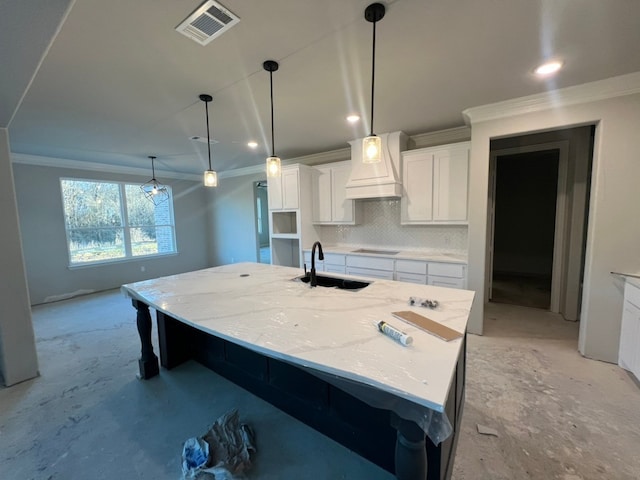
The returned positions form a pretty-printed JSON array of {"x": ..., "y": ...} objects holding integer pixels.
[{"x": 222, "y": 453}]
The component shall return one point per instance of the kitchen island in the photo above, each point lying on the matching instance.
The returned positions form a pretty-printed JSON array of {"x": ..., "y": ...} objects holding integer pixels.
[{"x": 317, "y": 354}]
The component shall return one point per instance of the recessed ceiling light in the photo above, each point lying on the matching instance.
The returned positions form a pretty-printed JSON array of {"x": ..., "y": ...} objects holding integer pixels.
[
  {"x": 353, "y": 118},
  {"x": 548, "y": 68},
  {"x": 252, "y": 144}
]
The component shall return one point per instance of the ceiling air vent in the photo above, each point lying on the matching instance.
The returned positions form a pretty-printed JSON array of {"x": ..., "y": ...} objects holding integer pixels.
[{"x": 209, "y": 21}]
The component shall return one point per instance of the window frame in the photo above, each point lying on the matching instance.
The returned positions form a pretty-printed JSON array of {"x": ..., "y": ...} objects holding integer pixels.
[{"x": 125, "y": 226}]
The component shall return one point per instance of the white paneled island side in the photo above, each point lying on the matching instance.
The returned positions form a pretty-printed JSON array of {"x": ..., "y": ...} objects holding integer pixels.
[{"x": 317, "y": 354}]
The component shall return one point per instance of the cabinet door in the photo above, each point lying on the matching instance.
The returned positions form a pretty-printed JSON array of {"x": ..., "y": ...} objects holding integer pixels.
[
  {"x": 274, "y": 190},
  {"x": 322, "y": 196},
  {"x": 342, "y": 209},
  {"x": 629, "y": 353},
  {"x": 290, "y": 189},
  {"x": 417, "y": 178},
  {"x": 450, "y": 183}
]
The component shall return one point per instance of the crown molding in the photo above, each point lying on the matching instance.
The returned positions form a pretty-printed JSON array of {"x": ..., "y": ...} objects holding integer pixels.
[
  {"x": 588, "y": 92},
  {"x": 54, "y": 162},
  {"x": 441, "y": 137}
]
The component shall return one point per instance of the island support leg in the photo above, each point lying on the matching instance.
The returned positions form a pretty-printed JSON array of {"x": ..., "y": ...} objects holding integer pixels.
[
  {"x": 411, "y": 453},
  {"x": 148, "y": 363}
]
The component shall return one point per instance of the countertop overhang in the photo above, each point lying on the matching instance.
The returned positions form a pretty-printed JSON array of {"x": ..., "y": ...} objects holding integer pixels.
[{"x": 329, "y": 330}]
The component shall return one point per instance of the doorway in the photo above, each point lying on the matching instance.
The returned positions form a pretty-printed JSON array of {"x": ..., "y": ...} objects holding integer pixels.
[
  {"x": 263, "y": 248},
  {"x": 543, "y": 236},
  {"x": 526, "y": 192}
]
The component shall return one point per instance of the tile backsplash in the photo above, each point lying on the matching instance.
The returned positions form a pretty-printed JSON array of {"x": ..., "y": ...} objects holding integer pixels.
[{"x": 381, "y": 227}]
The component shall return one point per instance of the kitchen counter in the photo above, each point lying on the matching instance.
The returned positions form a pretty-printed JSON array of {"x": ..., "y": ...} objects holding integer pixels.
[
  {"x": 326, "y": 331},
  {"x": 399, "y": 254}
]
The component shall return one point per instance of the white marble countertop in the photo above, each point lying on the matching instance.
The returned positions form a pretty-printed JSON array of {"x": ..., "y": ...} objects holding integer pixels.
[
  {"x": 330, "y": 330},
  {"x": 429, "y": 256}
]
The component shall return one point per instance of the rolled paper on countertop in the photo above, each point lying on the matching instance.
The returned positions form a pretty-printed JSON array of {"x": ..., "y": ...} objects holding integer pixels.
[{"x": 393, "y": 332}]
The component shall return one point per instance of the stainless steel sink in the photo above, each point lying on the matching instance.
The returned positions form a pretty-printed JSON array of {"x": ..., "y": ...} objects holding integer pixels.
[
  {"x": 376, "y": 252},
  {"x": 334, "y": 282}
]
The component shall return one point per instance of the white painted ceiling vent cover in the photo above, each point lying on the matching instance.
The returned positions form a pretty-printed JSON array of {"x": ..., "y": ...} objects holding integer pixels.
[{"x": 209, "y": 21}]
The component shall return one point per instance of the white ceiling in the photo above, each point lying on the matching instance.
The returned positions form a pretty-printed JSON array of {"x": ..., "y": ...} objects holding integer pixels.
[{"x": 119, "y": 83}]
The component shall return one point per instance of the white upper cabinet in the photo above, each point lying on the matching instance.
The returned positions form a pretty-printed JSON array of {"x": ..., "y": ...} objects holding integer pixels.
[
  {"x": 284, "y": 191},
  {"x": 330, "y": 203},
  {"x": 435, "y": 183}
]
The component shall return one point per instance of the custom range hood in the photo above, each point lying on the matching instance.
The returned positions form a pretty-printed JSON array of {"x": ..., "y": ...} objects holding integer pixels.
[{"x": 377, "y": 180}]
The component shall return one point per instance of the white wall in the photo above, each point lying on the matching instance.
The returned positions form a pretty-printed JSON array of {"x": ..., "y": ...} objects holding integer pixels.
[
  {"x": 613, "y": 232},
  {"x": 44, "y": 240},
  {"x": 18, "y": 360},
  {"x": 233, "y": 220}
]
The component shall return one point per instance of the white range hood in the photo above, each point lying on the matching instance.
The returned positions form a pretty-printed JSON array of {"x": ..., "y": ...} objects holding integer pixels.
[{"x": 377, "y": 180}]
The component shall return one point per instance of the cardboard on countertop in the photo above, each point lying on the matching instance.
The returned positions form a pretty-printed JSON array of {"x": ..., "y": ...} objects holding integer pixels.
[{"x": 428, "y": 325}]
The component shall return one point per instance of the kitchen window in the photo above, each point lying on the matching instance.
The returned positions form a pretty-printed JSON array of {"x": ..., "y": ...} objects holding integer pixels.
[{"x": 113, "y": 221}]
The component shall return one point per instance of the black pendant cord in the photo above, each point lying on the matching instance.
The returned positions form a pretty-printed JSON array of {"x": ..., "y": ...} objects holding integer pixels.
[
  {"x": 206, "y": 108},
  {"x": 153, "y": 170},
  {"x": 273, "y": 146},
  {"x": 373, "y": 69}
]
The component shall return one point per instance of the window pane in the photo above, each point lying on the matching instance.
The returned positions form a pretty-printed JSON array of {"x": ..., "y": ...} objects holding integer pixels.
[
  {"x": 140, "y": 210},
  {"x": 95, "y": 245},
  {"x": 91, "y": 204},
  {"x": 151, "y": 240}
]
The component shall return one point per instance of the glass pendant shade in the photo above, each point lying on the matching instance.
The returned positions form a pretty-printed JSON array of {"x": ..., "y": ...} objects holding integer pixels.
[
  {"x": 210, "y": 178},
  {"x": 274, "y": 168},
  {"x": 371, "y": 149}
]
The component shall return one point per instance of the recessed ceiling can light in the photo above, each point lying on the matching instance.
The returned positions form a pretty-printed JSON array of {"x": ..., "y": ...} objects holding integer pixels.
[
  {"x": 252, "y": 144},
  {"x": 353, "y": 118},
  {"x": 548, "y": 68}
]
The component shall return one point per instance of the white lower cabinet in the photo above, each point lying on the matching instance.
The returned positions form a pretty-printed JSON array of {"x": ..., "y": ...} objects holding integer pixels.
[
  {"x": 446, "y": 275},
  {"x": 423, "y": 272},
  {"x": 411, "y": 271},
  {"x": 334, "y": 263},
  {"x": 629, "y": 353},
  {"x": 377, "y": 267}
]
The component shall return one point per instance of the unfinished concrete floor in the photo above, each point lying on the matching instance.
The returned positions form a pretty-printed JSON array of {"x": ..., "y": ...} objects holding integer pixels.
[{"x": 557, "y": 414}]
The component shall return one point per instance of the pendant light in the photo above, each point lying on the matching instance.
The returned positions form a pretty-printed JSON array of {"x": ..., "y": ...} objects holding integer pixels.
[
  {"x": 210, "y": 177},
  {"x": 372, "y": 145},
  {"x": 153, "y": 189},
  {"x": 274, "y": 166}
]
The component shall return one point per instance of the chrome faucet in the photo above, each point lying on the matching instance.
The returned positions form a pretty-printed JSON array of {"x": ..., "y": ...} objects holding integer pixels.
[{"x": 312, "y": 274}]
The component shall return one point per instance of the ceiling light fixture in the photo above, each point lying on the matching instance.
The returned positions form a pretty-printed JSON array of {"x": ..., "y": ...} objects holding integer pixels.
[
  {"x": 372, "y": 145},
  {"x": 274, "y": 167},
  {"x": 252, "y": 144},
  {"x": 353, "y": 118},
  {"x": 210, "y": 177},
  {"x": 153, "y": 189},
  {"x": 548, "y": 68}
]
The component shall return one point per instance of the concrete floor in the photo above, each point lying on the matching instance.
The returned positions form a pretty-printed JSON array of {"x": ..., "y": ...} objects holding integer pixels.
[{"x": 557, "y": 414}]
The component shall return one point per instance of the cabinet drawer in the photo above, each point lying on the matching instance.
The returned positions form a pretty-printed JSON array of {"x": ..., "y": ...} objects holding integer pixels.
[
  {"x": 368, "y": 272},
  {"x": 335, "y": 268},
  {"x": 334, "y": 259},
  {"x": 307, "y": 261},
  {"x": 371, "y": 262},
  {"x": 409, "y": 266},
  {"x": 411, "y": 278},
  {"x": 446, "y": 270},
  {"x": 446, "y": 282}
]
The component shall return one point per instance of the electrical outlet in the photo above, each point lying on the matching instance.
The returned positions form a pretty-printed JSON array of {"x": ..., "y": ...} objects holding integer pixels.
[
  {"x": 447, "y": 240},
  {"x": 142, "y": 268}
]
